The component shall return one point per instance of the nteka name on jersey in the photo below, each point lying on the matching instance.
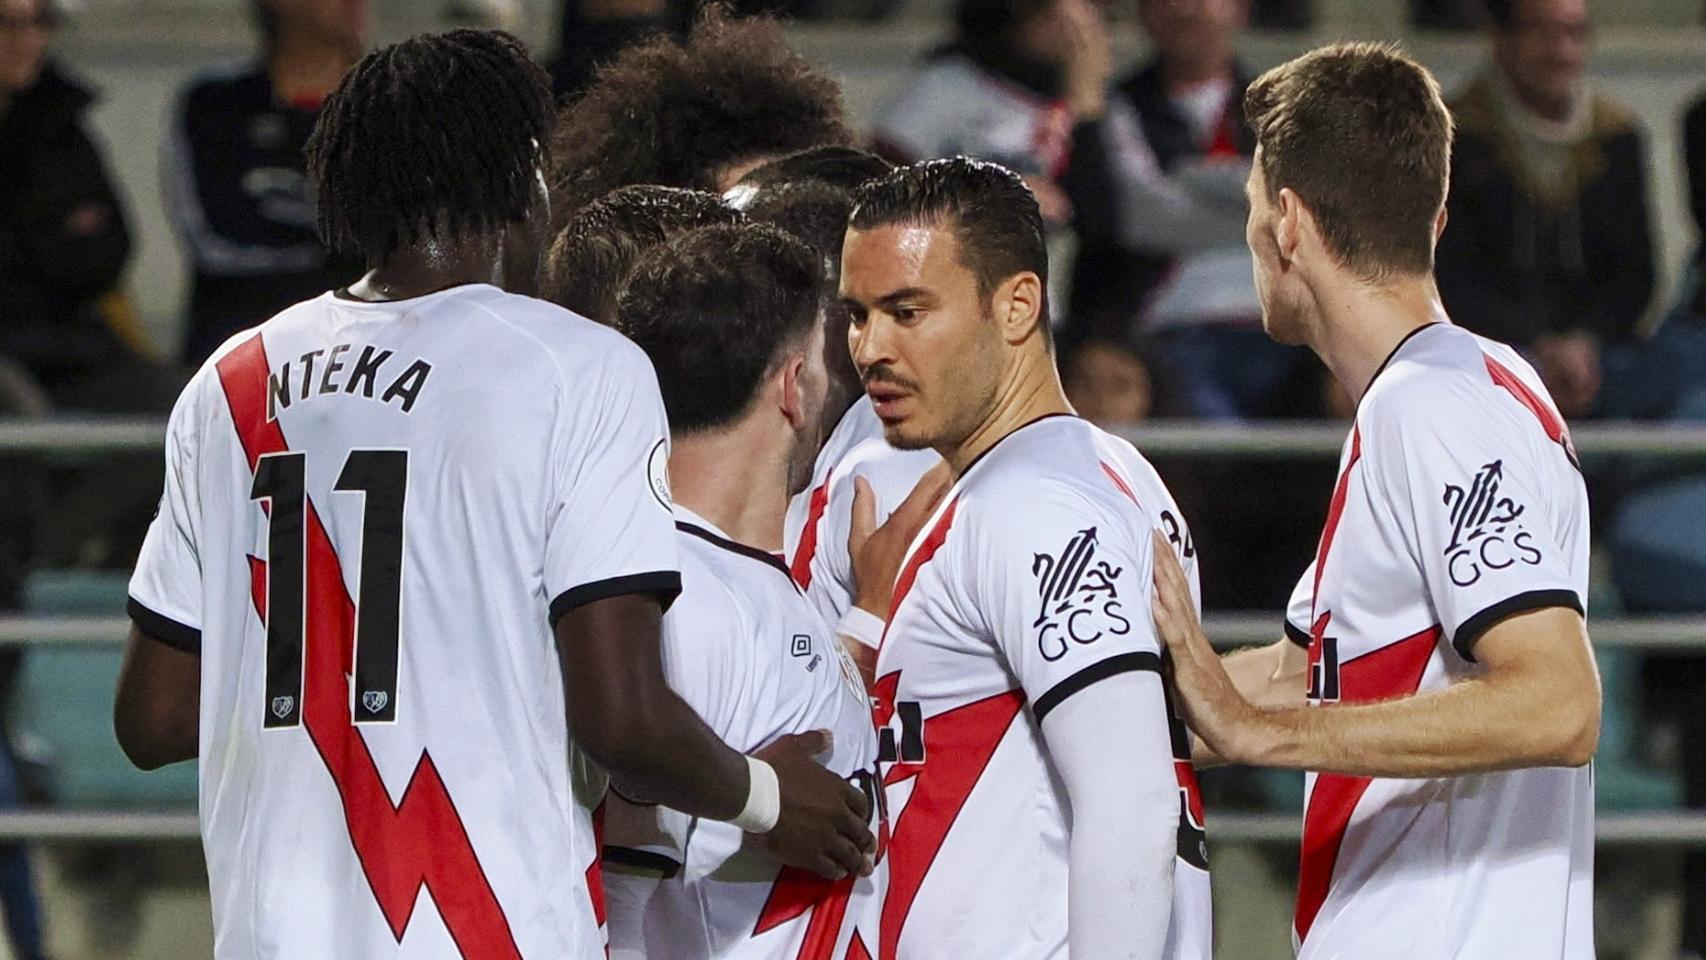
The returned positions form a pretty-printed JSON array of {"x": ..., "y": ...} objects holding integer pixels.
[
  {"x": 820, "y": 519},
  {"x": 1459, "y": 503},
  {"x": 1030, "y": 583},
  {"x": 747, "y": 652},
  {"x": 374, "y": 513}
]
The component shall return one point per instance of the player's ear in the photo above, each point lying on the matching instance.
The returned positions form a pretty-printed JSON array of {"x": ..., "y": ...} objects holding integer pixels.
[
  {"x": 1019, "y": 305},
  {"x": 792, "y": 399},
  {"x": 1292, "y": 224},
  {"x": 1439, "y": 223}
]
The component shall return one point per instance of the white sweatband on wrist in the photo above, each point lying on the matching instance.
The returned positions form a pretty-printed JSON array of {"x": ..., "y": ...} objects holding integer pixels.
[
  {"x": 863, "y": 626},
  {"x": 763, "y": 798}
]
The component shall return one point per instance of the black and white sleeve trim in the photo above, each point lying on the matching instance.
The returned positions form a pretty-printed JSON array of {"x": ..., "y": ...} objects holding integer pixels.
[
  {"x": 170, "y": 632},
  {"x": 1472, "y": 629},
  {"x": 1102, "y": 670},
  {"x": 664, "y": 584},
  {"x": 642, "y": 860},
  {"x": 1297, "y": 635}
]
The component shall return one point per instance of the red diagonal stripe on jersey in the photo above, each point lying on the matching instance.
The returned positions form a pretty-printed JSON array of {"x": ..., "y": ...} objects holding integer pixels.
[
  {"x": 903, "y": 584},
  {"x": 958, "y": 745},
  {"x": 801, "y": 567},
  {"x": 1549, "y": 419},
  {"x": 421, "y": 841},
  {"x": 797, "y": 891},
  {"x": 1118, "y": 482},
  {"x": 856, "y": 949},
  {"x": 1392, "y": 671},
  {"x": 1335, "y": 512},
  {"x": 258, "y": 585}
]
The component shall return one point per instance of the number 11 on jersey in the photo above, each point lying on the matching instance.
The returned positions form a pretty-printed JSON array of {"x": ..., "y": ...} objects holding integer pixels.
[{"x": 281, "y": 480}]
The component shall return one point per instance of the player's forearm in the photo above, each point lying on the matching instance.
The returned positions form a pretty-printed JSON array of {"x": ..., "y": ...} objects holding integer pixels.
[
  {"x": 666, "y": 754},
  {"x": 1270, "y": 676},
  {"x": 1473, "y": 726}
]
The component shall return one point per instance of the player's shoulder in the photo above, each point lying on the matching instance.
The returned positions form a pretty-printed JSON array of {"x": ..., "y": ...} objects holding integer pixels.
[
  {"x": 741, "y": 580},
  {"x": 1445, "y": 378},
  {"x": 1051, "y": 471},
  {"x": 539, "y": 326}
]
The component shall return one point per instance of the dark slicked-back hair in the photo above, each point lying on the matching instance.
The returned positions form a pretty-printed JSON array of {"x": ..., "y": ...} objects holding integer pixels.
[
  {"x": 714, "y": 309},
  {"x": 438, "y": 136},
  {"x": 838, "y": 166},
  {"x": 812, "y": 211},
  {"x": 677, "y": 113},
  {"x": 993, "y": 215},
  {"x": 1360, "y": 133},
  {"x": 596, "y": 250}
]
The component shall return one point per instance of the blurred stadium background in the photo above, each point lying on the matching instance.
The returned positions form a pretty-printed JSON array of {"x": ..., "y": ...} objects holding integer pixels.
[{"x": 116, "y": 849}]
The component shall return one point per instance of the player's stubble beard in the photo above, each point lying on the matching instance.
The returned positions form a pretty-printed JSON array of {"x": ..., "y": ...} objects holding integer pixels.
[{"x": 963, "y": 400}]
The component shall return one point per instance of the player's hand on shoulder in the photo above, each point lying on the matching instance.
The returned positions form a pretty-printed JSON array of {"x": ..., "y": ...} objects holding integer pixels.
[
  {"x": 1213, "y": 707},
  {"x": 823, "y": 826},
  {"x": 879, "y": 551}
]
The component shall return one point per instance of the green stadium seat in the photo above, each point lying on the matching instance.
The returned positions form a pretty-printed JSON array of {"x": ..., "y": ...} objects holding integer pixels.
[{"x": 65, "y": 698}]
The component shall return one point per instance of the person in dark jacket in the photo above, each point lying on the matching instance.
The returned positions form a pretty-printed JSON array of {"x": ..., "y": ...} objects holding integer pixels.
[
  {"x": 63, "y": 238},
  {"x": 236, "y": 185},
  {"x": 1548, "y": 244}
]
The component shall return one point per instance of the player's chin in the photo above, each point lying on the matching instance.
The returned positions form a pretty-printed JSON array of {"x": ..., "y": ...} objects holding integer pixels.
[{"x": 906, "y": 434}]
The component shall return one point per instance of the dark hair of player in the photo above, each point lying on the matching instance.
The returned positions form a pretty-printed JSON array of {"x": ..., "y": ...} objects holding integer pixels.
[
  {"x": 838, "y": 166},
  {"x": 681, "y": 114},
  {"x": 713, "y": 309},
  {"x": 993, "y": 215},
  {"x": 1360, "y": 133},
  {"x": 596, "y": 250},
  {"x": 440, "y": 136}
]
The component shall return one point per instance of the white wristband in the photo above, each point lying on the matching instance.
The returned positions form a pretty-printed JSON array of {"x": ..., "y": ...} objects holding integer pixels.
[
  {"x": 763, "y": 799},
  {"x": 863, "y": 626}
]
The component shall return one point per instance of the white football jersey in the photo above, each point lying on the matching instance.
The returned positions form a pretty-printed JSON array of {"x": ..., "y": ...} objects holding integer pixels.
[
  {"x": 1031, "y": 582},
  {"x": 1459, "y": 503},
  {"x": 747, "y": 652},
  {"x": 821, "y": 518},
  {"x": 374, "y": 513}
]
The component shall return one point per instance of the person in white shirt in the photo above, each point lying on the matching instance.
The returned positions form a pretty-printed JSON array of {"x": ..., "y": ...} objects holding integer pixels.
[
  {"x": 411, "y": 558},
  {"x": 1042, "y": 797},
  {"x": 730, "y": 317},
  {"x": 1438, "y": 638}
]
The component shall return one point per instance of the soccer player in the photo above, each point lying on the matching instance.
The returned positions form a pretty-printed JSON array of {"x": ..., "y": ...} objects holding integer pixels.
[
  {"x": 730, "y": 317},
  {"x": 809, "y": 194},
  {"x": 1042, "y": 799},
  {"x": 413, "y": 550},
  {"x": 1438, "y": 637},
  {"x": 593, "y": 254}
]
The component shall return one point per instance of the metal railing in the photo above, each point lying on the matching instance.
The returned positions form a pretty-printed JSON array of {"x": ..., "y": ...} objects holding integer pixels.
[{"x": 1311, "y": 440}]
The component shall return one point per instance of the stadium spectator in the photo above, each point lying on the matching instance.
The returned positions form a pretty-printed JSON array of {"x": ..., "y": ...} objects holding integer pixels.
[
  {"x": 1109, "y": 383},
  {"x": 591, "y": 257},
  {"x": 697, "y": 113},
  {"x": 235, "y": 182},
  {"x": 1194, "y": 287},
  {"x": 1549, "y": 243}
]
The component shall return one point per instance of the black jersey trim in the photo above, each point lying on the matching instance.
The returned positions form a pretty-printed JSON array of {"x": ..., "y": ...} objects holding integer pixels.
[
  {"x": 665, "y": 867},
  {"x": 1096, "y": 672},
  {"x": 159, "y": 627},
  {"x": 1472, "y": 628},
  {"x": 1394, "y": 355},
  {"x": 1297, "y": 635},
  {"x": 664, "y": 584},
  {"x": 1035, "y": 420},
  {"x": 753, "y": 553}
]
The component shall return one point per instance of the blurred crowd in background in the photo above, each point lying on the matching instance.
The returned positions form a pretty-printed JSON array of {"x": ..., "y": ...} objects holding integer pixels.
[{"x": 1140, "y": 170}]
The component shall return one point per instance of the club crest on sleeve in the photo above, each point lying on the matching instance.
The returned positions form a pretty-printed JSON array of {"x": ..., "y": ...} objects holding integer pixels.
[
  {"x": 1078, "y": 601},
  {"x": 657, "y": 473},
  {"x": 375, "y": 700},
  {"x": 1487, "y": 529},
  {"x": 281, "y": 706}
]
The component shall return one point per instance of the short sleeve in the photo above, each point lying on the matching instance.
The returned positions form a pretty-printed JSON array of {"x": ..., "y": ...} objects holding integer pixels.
[
  {"x": 1300, "y": 609},
  {"x": 1068, "y": 593},
  {"x": 609, "y": 527},
  {"x": 1470, "y": 495},
  {"x": 166, "y": 588}
]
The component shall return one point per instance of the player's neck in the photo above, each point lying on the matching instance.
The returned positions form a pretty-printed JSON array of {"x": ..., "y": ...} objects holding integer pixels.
[
  {"x": 431, "y": 266},
  {"x": 736, "y": 478},
  {"x": 1032, "y": 391},
  {"x": 1361, "y": 324}
]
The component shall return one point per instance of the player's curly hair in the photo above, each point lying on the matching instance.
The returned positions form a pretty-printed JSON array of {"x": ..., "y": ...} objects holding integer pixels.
[
  {"x": 439, "y": 136},
  {"x": 677, "y": 113},
  {"x": 714, "y": 309},
  {"x": 596, "y": 250}
]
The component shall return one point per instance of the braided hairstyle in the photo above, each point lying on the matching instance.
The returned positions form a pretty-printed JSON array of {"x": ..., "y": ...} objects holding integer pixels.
[{"x": 440, "y": 136}]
